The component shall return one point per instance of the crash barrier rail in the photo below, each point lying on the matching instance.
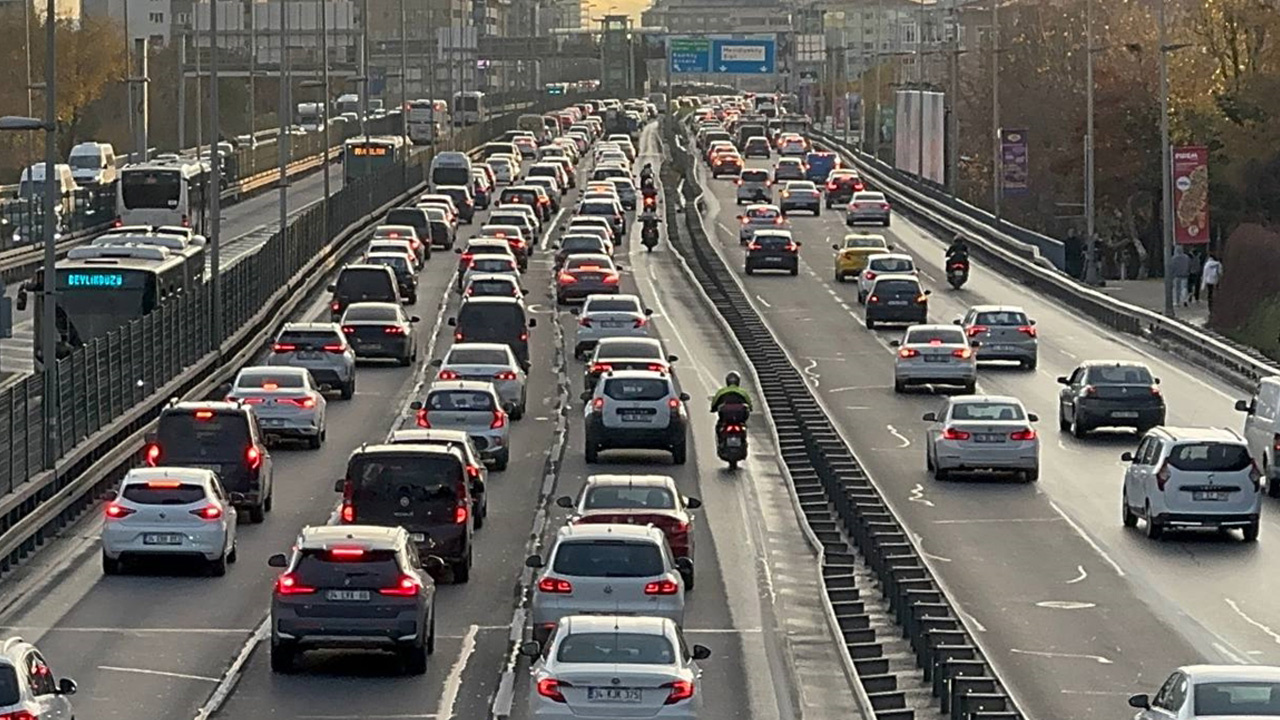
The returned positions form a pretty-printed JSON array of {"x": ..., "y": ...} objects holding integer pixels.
[
  {"x": 111, "y": 390},
  {"x": 845, "y": 510},
  {"x": 1012, "y": 255}
]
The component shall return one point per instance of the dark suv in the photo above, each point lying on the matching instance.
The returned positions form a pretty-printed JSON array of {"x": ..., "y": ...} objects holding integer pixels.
[
  {"x": 417, "y": 219},
  {"x": 362, "y": 283},
  {"x": 773, "y": 250},
  {"x": 220, "y": 436},
  {"x": 426, "y": 489},
  {"x": 495, "y": 319},
  {"x": 353, "y": 586}
]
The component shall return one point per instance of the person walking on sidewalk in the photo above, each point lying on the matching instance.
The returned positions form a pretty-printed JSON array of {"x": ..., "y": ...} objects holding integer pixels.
[
  {"x": 1180, "y": 270},
  {"x": 1193, "y": 278},
  {"x": 1212, "y": 275}
]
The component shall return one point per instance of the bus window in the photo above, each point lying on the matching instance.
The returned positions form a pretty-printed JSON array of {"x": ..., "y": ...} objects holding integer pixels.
[{"x": 151, "y": 189}]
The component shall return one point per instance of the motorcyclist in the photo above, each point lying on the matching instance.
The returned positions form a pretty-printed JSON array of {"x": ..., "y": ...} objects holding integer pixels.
[
  {"x": 731, "y": 403},
  {"x": 646, "y": 173},
  {"x": 958, "y": 251}
]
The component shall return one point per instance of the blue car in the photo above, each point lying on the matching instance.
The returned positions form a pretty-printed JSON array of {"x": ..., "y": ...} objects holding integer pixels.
[{"x": 820, "y": 164}]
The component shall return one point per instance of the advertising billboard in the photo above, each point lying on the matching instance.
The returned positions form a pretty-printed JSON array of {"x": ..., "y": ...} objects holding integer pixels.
[
  {"x": 920, "y": 120},
  {"x": 1190, "y": 168},
  {"x": 1014, "y": 171}
]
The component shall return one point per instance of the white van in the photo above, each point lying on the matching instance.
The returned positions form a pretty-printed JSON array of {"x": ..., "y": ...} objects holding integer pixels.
[
  {"x": 93, "y": 163},
  {"x": 1262, "y": 430},
  {"x": 32, "y": 184},
  {"x": 450, "y": 168}
]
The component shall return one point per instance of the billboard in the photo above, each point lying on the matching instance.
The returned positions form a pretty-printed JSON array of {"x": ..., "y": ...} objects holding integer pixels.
[
  {"x": 1190, "y": 168},
  {"x": 1014, "y": 170},
  {"x": 920, "y": 134}
]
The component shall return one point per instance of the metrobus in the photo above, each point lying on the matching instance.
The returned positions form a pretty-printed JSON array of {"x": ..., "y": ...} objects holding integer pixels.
[
  {"x": 179, "y": 241},
  {"x": 557, "y": 88},
  {"x": 347, "y": 103},
  {"x": 100, "y": 288},
  {"x": 424, "y": 123},
  {"x": 371, "y": 155},
  {"x": 162, "y": 194},
  {"x": 468, "y": 108}
]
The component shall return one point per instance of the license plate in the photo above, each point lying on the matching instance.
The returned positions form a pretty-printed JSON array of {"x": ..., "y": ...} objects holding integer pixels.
[
  {"x": 935, "y": 358},
  {"x": 733, "y": 441},
  {"x": 773, "y": 259},
  {"x": 272, "y": 422},
  {"x": 633, "y": 417},
  {"x": 1208, "y": 496},
  {"x": 1124, "y": 414},
  {"x": 610, "y": 324},
  {"x": 997, "y": 348},
  {"x": 371, "y": 346},
  {"x": 308, "y": 355},
  {"x": 347, "y": 595},
  {"x": 988, "y": 437},
  {"x": 161, "y": 539},
  {"x": 418, "y": 537},
  {"x": 897, "y": 302},
  {"x": 614, "y": 695}
]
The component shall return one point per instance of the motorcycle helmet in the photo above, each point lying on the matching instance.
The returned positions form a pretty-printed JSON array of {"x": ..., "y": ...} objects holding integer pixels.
[{"x": 732, "y": 379}]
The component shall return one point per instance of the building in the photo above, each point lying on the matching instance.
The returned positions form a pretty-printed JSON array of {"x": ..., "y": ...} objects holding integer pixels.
[
  {"x": 70, "y": 10},
  {"x": 718, "y": 16},
  {"x": 150, "y": 20}
]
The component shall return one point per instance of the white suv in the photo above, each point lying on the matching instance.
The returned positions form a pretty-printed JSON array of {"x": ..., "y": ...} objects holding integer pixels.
[
  {"x": 27, "y": 685},
  {"x": 1192, "y": 478},
  {"x": 636, "y": 409}
]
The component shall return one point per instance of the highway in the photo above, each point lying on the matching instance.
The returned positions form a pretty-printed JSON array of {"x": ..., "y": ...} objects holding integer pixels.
[
  {"x": 1074, "y": 610},
  {"x": 159, "y": 644}
]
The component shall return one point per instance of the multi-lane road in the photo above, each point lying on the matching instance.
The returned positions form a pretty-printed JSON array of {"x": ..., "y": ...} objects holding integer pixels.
[
  {"x": 1076, "y": 611},
  {"x": 162, "y": 643}
]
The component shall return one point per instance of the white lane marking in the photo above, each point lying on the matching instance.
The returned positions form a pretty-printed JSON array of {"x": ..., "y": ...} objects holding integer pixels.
[
  {"x": 1108, "y": 693},
  {"x": 232, "y": 675},
  {"x": 847, "y": 388},
  {"x": 813, "y": 377},
  {"x": 1275, "y": 637},
  {"x": 414, "y": 716},
  {"x": 1072, "y": 656},
  {"x": 894, "y": 432},
  {"x": 1065, "y": 605},
  {"x": 917, "y": 495},
  {"x": 453, "y": 683},
  {"x": 727, "y": 230},
  {"x": 1234, "y": 657},
  {"x": 1079, "y": 577},
  {"x": 722, "y": 631},
  {"x": 161, "y": 673},
  {"x": 972, "y": 621},
  {"x": 994, "y": 521},
  {"x": 1080, "y": 531},
  {"x": 763, "y": 301}
]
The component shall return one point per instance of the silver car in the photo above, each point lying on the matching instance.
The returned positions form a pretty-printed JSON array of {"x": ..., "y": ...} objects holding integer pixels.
[
  {"x": 866, "y": 207},
  {"x": 934, "y": 355},
  {"x": 760, "y": 217},
  {"x": 493, "y": 363},
  {"x": 1205, "y": 691},
  {"x": 1004, "y": 332},
  {"x": 605, "y": 316},
  {"x": 474, "y": 408},
  {"x": 491, "y": 265},
  {"x": 493, "y": 285},
  {"x": 606, "y": 568},
  {"x": 801, "y": 195},
  {"x": 286, "y": 401},
  {"x": 754, "y": 185},
  {"x": 613, "y": 667},
  {"x": 882, "y": 264},
  {"x": 982, "y": 433},
  {"x": 322, "y": 350}
]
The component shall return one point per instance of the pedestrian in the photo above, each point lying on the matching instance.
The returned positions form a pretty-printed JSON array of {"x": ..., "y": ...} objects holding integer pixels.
[
  {"x": 1193, "y": 278},
  {"x": 1211, "y": 276},
  {"x": 1180, "y": 270}
]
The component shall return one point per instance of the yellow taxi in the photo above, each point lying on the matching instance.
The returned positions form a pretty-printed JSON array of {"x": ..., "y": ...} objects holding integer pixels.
[{"x": 853, "y": 251}]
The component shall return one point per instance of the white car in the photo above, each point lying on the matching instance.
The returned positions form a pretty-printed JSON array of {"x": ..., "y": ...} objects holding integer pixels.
[
  {"x": 934, "y": 355},
  {"x": 982, "y": 433},
  {"x": 505, "y": 172},
  {"x": 1188, "y": 478},
  {"x": 172, "y": 512},
  {"x": 493, "y": 285},
  {"x": 652, "y": 672},
  {"x": 30, "y": 689},
  {"x": 605, "y": 316},
  {"x": 493, "y": 363},
  {"x": 474, "y": 408},
  {"x": 491, "y": 265},
  {"x": 399, "y": 247},
  {"x": 1193, "y": 692},
  {"x": 883, "y": 264},
  {"x": 286, "y": 400}
]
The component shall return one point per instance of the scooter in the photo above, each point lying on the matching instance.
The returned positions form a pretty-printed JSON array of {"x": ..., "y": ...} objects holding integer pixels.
[
  {"x": 649, "y": 235},
  {"x": 731, "y": 444},
  {"x": 957, "y": 274}
]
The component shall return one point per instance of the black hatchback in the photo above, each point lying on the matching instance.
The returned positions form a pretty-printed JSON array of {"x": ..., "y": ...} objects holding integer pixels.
[
  {"x": 897, "y": 299},
  {"x": 773, "y": 250}
]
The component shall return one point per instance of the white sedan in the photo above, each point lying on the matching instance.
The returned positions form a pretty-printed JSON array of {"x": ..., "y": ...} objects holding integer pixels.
[
  {"x": 170, "y": 512},
  {"x": 493, "y": 363},
  {"x": 982, "y": 433}
]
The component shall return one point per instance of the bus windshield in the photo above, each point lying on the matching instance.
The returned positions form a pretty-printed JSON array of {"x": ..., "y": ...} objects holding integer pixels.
[
  {"x": 159, "y": 189},
  {"x": 92, "y": 303},
  {"x": 468, "y": 103}
]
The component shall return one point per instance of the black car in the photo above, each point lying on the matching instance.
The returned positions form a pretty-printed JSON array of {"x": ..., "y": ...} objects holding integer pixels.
[
  {"x": 495, "y": 319},
  {"x": 897, "y": 299},
  {"x": 1109, "y": 393},
  {"x": 841, "y": 185},
  {"x": 220, "y": 436},
  {"x": 773, "y": 250},
  {"x": 406, "y": 279},
  {"x": 416, "y": 218},
  {"x": 362, "y": 283}
]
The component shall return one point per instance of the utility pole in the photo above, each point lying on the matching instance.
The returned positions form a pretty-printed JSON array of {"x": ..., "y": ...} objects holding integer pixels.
[
  {"x": 364, "y": 68},
  {"x": 920, "y": 90},
  {"x": 953, "y": 139},
  {"x": 182, "y": 91},
  {"x": 49, "y": 329},
  {"x": 215, "y": 185},
  {"x": 199, "y": 94},
  {"x": 284, "y": 117},
  {"x": 324, "y": 106},
  {"x": 875, "y": 120},
  {"x": 1090, "y": 262},
  {"x": 996, "y": 162},
  {"x": 1166, "y": 197},
  {"x": 253, "y": 71},
  {"x": 128, "y": 72},
  {"x": 404, "y": 89}
]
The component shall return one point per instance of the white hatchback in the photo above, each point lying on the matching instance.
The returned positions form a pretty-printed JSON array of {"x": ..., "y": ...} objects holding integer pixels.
[
  {"x": 474, "y": 408},
  {"x": 606, "y": 316},
  {"x": 883, "y": 264}
]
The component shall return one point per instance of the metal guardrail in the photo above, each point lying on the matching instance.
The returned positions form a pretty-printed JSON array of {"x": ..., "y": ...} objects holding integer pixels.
[
  {"x": 846, "y": 512},
  {"x": 113, "y": 388},
  {"x": 1024, "y": 261}
]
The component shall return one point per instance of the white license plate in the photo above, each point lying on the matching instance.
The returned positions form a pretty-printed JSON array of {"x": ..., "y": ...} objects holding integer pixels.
[
  {"x": 733, "y": 441},
  {"x": 418, "y": 537},
  {"x": 308, "y": 355},
  {"x": 633, "y": 418},
  {"x": 162, "y": 539},
  {"x": 614, "y": 695},
  {"x": 997, "y": 348},
  {"x": 1208, "y": 496},
  {"x": 935, "y": 358},
  {"x": 988, "y": 438},
  {"x": 897, "y": 302},
  {"x": 1125, "y": 414},
  {"x": 347, "y": 595},
  {"x": 272, "y": 422},
  {"x": 611, "y": 324},
  {"x": 372, "y": 346},
  {"x": 773, "y": 259}
]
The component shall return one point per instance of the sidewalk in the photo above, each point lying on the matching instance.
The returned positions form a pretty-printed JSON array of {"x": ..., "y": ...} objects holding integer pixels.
[{"x": 1150, "y": 295}]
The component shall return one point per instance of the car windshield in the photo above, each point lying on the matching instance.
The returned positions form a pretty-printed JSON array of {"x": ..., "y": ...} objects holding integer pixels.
[
  {"x": 629, "y": 305},
  {"x": 163, "y": 492},
  {"x": 1237, "y": 698},
  {"x": 616, "y": 648},
  {"x": 460, "y": 400},
  {"x": 269, "y": 379},
  {"x": 893, "y": 265},
  {"x": 1002, "y": 317},
  {"x": 371, "y": 312},
  {"x": 936, "y": 336},
  {"x": 628, "y": 349},
  {"x": 1210, "y": 457},
  {"x": 580, "y": 242},
  {"x": 628, "y": 497},
  {"x": 987, "y": 411},
  {"x": 477, "y": 356},
  {"x": 772, "y": 242},
  {"x": 608, "y": 558},
  {"x": 864, "y": 242}
]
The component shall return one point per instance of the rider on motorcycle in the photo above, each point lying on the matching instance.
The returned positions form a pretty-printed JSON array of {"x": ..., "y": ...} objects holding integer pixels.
[
  {"x": 958, "y": 251},
  {"x": 647, "y": 172},
  {"x": 731, "y": 403}
]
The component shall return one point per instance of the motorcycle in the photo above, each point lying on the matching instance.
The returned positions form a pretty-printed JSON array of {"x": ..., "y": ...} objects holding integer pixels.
[
  {"x": 731, "y": 443},
  {"x": 649, "y": 235},
  {"x": 650, "y": 198},
  {"x": 957, "y": 273}
]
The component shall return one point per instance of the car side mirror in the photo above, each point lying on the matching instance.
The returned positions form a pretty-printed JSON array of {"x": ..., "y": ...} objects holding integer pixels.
[
  {"x": 585, "y": 396},
  {"x": 339, "y": 485},
  {"x": 692, "y": 503},
  {"x": 453, "y": 322},
  {"x": 236, "y": 498},
  {"x": 332, "y": 287},
  {"x": 1244, "y": 406},
  {"x": 565, "y": 502},
  {"x": 648, "y": 311},
  {"x": 1126, "y": 456},
  {"x": 531, "y": 649},
  {"x": 150, "y": 438},
  {"x": 673, "y": 358},
  {"x": 890, "y": 247},
  {"x": 278, "y": 561},
  {"x": 533, "y": 322},
  {"x": 684, "y": 397},
  {"x": 415, "y": 405},
  {"x": 1033, "y": 417},
  {"x": 798, "y": 243},
  {"x": 575, "y": 311},
  {"x": 1031, "y": 322},
  {"x": 895, "y": 343},
  {"x": 414, "y": 319},
  {"x": 1140, "y": 701},
  {"x": 509, "y": 408},
  {"x": 957, "y": 321},
  {"x": 928, "y": 292},
  {"x": 22, "y": 300},
  {"x": 975, "y": 344},
  {"x": 1064, "y": 380},
  {"x": 930, "y": 417},
  {"x": 835, "y": 247},
  {"x": 224, "y": 389},
  {"x": 433, "y": 563},
  {"x": 66, "y": 686},
  {"x": 1157, "y": 381},
  {"x": 523, "y": 291},
  {"x": 533, "y": 561},
  {"x": 701, "y": 652}
]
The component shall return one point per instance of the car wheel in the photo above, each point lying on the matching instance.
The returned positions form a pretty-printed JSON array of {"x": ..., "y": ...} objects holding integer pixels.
[
  {"x": 688, "y": 580},
  {"x": 1128, "y": 517},
  {"x": 266, "y": 504},
  {"x": 109, "y": 566},
  {"x": 315, "y": 441},
  {"x": 862, "y": 298},
  {"x": 1251, "y": 531},
  {"x": 349, "y": 389},
  {"x": 941, "y": 474},
  {"x": 749, "y": 270},
  {"x": 560, "y": 299},
  {"x": 679, "y": 452},
  {"x": 283, "y": 656},
  {"x": 795, "y": 271},
  {"x": 500, "y": 463},
  {"x": 817, "y": 212},
  {"x": 462, "y": 570},
  {"x": 218, "y": 567},
  {"x": 1273, "y": 483},
  {"x": 970, "y": 388},
  {"x": 1063, "y": 425},
  {"x": 839, "y": 277},
  {"x": 1031, "y": 475},
  {"x": 257, "y": 514},
  {"x": 431, "y": 632},
  {"x": 886, "y": 223},
  {"x": 871, "y": 324},
  {"x": 233, "y": 555},
  {"x": 414, "y": 658},
  {"x": 1078, "y": 429},
  {"x": 1154, "y": 529},
  {"x": 899, "y": 386}
]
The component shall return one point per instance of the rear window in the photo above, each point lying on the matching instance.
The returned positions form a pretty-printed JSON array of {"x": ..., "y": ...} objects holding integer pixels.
[
  {"x": 491, "y": 264},
  {"x": 863, "y": 242},
  {"x": 948, "y": 336},
  {"x": 869, "y": 197},
  {"x": 987, "y": 411},
  {"x": 1236, "y": 698},
  {"x": 579, "y": 262},
  {"x": 182, "y": 434},
  {"x": 370, "y": 312},
  {"x": 9, "y": 691},
  {"x": 269, "y": 380},
  {"x": 1119, "y": 375},
  {"x": 628, "y": 349},
  {"x": 163, "y": 493},
  {"x": 762, "y": 213},
  {"x": 500, "y": 318},
  {"x": 476, "y": 356},
  {"x": 597, "y": 208},
  {"x": 755, "y": 175},
  {"x": 428, "y": 476},
  {"x": 1210, "y": 457},
  {"x": 773, "y": 242},
  {"x": 889, "y": 265},
  {"x": 636, "y": 389},
  {"x": 541, "y": 171},
  {"x": 396, "y": 262},
  {"x": 897, "y": 287},
  {"x": 460, "y": 400},
  {"x": 353, "y": 283},
  {"x": 406, "y": 216},
  {"x": 801, "y": 186},
  {"x": 488, "y": 287},
  {"x": 581, "y": 243},
  {"x": 1001, "y": 318},
  {"x": 613, "y": 497},
  {"x": 367, "y": 570},
  {"x": 616, "y": 648},
  {"x": 612, "y": 305},
  {"x": 309, "y": 339},
  {"x": 523, "y": 196},
  {"x": 608, "y": 558}
]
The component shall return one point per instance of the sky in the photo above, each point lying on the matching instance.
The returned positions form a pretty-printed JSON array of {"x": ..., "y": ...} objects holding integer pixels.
[{"x": 600, "y": 8}]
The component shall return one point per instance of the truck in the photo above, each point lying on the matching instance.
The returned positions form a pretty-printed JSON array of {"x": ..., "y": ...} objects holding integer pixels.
[
  {"x": 310, "y": 116},
  {"x": 424, "y": 122}
]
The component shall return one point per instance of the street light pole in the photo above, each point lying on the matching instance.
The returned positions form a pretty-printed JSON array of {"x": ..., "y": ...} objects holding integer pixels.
[
  {"x": 996, "y": 176},
  {"x": 283, "y": 117},
  {"x": 49, "y": 329},
  {"x": 1090, "y": 262},
  {"x": 128, "y": 72},
  {"x": 920, "y": 91},
  {"x": 1166, "y": 197},
  {"x": 875, "y": 119},
  {"x": 404, "y": 88},
  {"x": 324, "y": 107},
  {"x": 215, "y": 185},
  {"x": 253, "y": 71}
]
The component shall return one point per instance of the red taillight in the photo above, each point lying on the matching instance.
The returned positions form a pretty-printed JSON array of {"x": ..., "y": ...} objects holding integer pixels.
[
  {"x": 555, "y": 586},
  {"x": 831, "y": 186},
  {"x": 303, "y": 402},
  {"x": 336, "y": 349},
  {"x": 246, "y": 401},
  {"x": 598, "y": 368},
  {"x": 873, "y": 299},
  {"x": 550, "y": 688},
  {"x": 393, "y": 330},
  {"x": 348, "y": 330},
  {"x": 674, "y": 403},
  {"x": 447, "y": 375},
  {"x": 1275, "y": 442},
  {"x": 1162, "y": 476},
  {"x": 253, "y": 456},
  {"x": 1029, "y": 330},
  {"x": 152, "y": 455},
  {"x": 656, "y": 367},
  {"x": 565, "y": 278},
  {"x": 460, "y": 515},
  {"x": 641, "y": 322},
  {"x": 406, "y": 586},
  {"x": 204, "y": 414},
  {"x": 115, "y": 511},
  {"x": 335, "y": 306},
  {"x": 728, "y": 429},
  {"x": 283, "y": 348},
  {"x": 868, "y": 275},
  {"x": 186, "y": 221},
  {"x": 953, "y": 434},
  {"x": 288, "y": 584},
  {"x": 348, "y": 513},
  {"x": 908, "y": 353},
  {"x": 473, "y": 472},
  {"x": 499, "y": 420},
  {"x": 680, "y": 690},
  {"x": 1155, "y": 390},
  {"x": 346, "y": 553},
  {"x": 422, "y": 419},
  {"x": 208, "y": 512},
  {"x": 976, "y": 330},
  {"x": 791, "y": 247},
  {"x": 117, "y": 223},
  {"x": 611, "y": 279},
  {"x": 884, "y": 206},
  {"x": 457, "y": 337},
  {"x": 1090, "y": 390},
  {"x": 962, "y": 353},
  {"x": 754, "y": 246},
  {"x": 505, "y": 375},
  {"x": 465, "y": 258},
  {"x": 23, "y": 714},
  {"x": 1027, "y": 434},
  {"x": 922, "y": 298},
  {"x": 597, "y": 404},
  {"x": 662, "y": 587}
]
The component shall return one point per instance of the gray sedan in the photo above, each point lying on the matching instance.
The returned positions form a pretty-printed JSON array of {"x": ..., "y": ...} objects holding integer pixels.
[
  {"x": 867, "y": 207},
  {"x": 982, "y": 433},
  {"x": 1004, "y": 333}
]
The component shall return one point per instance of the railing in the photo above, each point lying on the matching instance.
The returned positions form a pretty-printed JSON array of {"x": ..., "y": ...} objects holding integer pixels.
[{"x": 1009, "y": 247}]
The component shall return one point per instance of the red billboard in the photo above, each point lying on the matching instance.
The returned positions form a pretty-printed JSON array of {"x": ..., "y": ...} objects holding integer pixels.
[{"x": 1191, "y": 195}]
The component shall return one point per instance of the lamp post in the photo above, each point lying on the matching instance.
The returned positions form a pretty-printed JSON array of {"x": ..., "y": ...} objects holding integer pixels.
[
  {"x": 283, "y": 117},
  {"x": 1166, "y": 170},
  {"x": 996, "y": 176},
  {"x": 215, "y": 186}
]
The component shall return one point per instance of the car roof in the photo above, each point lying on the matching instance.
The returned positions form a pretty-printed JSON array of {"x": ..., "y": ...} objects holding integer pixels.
[
  {"x": 896, "y": 277},
  {"x": 492, "y": 256},
  {"x": 985, "y": 400},
  {"x": 890, "y": 256},
  {"x": 1199, "y": 434},
  {"x": 604, "y": 531},
  {"x": 612, "y": 296},
  {"x": 187, "y": 405},
  {"x": 1229, "y": 673},
  {"x": 632, "y": 624},
  {"x": 611, "y": 480},
  {"x": 935, "y": 327},
  {"x": 469, "y": 385},
  {"x": 185, "y": 474},
  {"x": 304, "y": 326},
  {"x": 504, "y": 277},
  {"x": 393, "y": 306},
  {"x": 482, "y": 241},
  {"x": 429, "y": 435},
  {"x": 605, "y": 342},
  {"x": 276, "y": 370},
  {"x": 373, "y": 537},
  {"x": 997, "y": 308},
  {"x": 636, "y": 375},
  {"x": 596, "y": 257},
  {"x": 491, "y": 300},
  {"x": 400, "y": 448},
  {"x": 1113, "y": 363}
]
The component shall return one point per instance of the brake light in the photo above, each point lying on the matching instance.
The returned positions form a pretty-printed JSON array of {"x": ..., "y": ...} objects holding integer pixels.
[
  {"x": 335, "y": 306},
  {"x": 555, "y": 586},
  {"x": 908, "y": 353},
  {"x": 565, "y": 278},
  {"x": 779, "y": 220},
  {"x": 499, "y": 420},
  {"x": 962, "y": 353},
  {"x": 1275, "y": 442},
  {"x": 246, "y": 401},
  {"x": 738, "y": 181},
  {"x": 641, "y": 322},
  {"x": 680, "y": 690},
  {"x": 1090, "y": 390},
  {"x": 348, "y": 513},
  {"x": 204, "y": 414},
  {"x": 152, "y": 454},
  {"x": 460, "y": 515},
  {"x": 598, "y": 368},
  {"x": 1030, "y": 330},
  {"x": 884, "y": 206},
  {"x": 305, "y": 402},
  {"x": 727, "y": 429},
  {"x": 831, "y": 186},
  {"x": 662, "y": 587},
  {"x": 505, "y": 375},
  {"x": 406, "y": 586},
  {"x": 336, "y": 349},
  {"x": 868, "y": 275},
  {"x": 465, "y": 258},
  {"x": 115, "y": 511},
  {"x": 186, "y": 221},
  {"x": 447, "y": 375},
  {"x": 1027, "y": 434},
  {"x": 873, "y": 299},
  {"x": 922, "y": 298},
  {"x": 423, "y": 422},
  {"x": 348, "y": 330},
  {"x": 611, "y": 279},
  {"x": 976, "y": 330},
  {"x": 473, "y": 472},
  {"x": 550, "y": 688},
  {"x": 288, "y": 584},
  {"x": 791, "y": 246},
  {"x": 254, "y": 457},
  {"x": 1155, "y": 390},
  {"x": 786, "y": 193},
  {"x": 1162, "y": 476},
  {"x": 754, "y": 245},
  {"x": 457, "y": 337},
  {"x": 524, "y": 336},
  {"x": 393, "y": 330},
  {"x": 208, "y": 512},
  {"x": 597, "y": 404},
  {"x": 283, "y": 348},
  {"x": 953, "y": 434}
]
